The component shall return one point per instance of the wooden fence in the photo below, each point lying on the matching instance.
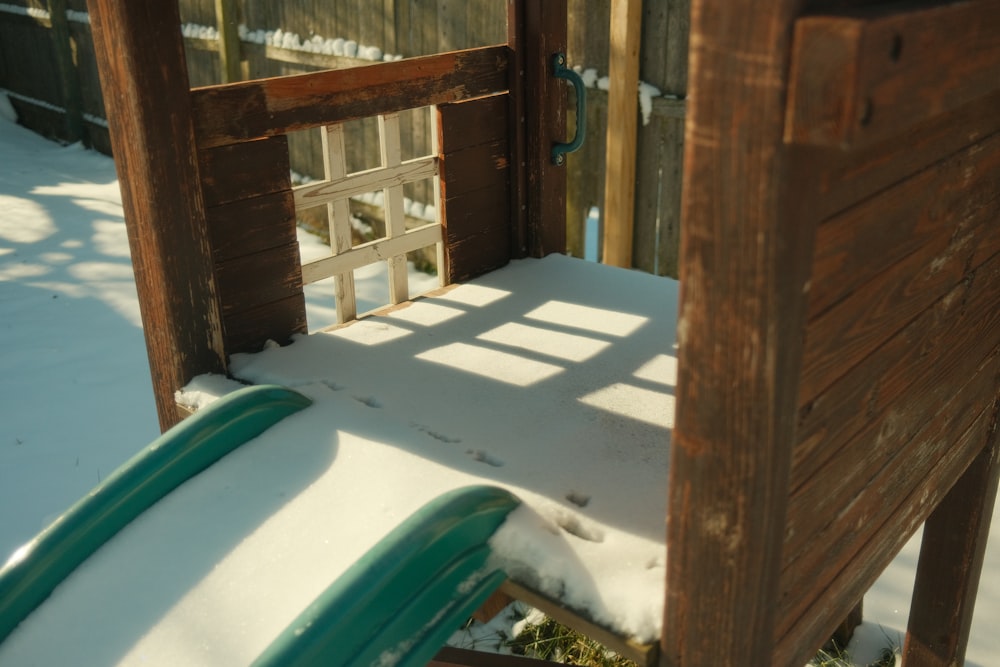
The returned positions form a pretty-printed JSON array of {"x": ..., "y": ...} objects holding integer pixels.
[{"x": 47, "y": 66}]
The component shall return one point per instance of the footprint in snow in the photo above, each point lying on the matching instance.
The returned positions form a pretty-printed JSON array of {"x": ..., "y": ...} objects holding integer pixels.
[
  {"x": 485, "y": 457},
  {"x": 370, "y": 401}
]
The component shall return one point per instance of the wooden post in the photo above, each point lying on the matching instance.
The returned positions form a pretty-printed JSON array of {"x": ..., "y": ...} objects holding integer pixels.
[
  {"x": 951, "y": 561},
  {"x": 145, "y": 85},
  {"x": 536, "y": 32},
  {"x": 69, "y": 80},
  {"x": 746, "y": 256},
  {"x": 623, "y": 100},
  {"x": 227, "y": 22}
]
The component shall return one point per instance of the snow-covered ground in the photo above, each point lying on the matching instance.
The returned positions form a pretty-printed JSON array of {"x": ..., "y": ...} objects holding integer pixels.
[{"x": 75, "y": 396}]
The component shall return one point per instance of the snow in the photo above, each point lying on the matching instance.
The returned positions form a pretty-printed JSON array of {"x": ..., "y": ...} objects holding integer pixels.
[{"x": 76, "y": 401}]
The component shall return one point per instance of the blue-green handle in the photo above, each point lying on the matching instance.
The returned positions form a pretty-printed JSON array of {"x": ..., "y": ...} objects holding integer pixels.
[{"x": 562, "y": 72}]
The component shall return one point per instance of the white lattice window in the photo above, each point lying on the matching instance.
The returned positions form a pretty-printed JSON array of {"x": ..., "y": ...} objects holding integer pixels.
[{"x": 335, "y": 192}]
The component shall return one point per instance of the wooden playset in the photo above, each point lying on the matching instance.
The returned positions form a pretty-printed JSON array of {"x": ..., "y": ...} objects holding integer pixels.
[{"x": 838, "y": 332}]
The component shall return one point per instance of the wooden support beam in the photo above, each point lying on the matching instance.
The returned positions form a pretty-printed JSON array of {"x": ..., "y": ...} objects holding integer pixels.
[
  {"x": 745, "y": 262},
  {"x": 538, "y": 30},
  {"x": 145, "y": 85},
  {"x": 623, "y": 110},
  {"x": 951, "y": 561}
]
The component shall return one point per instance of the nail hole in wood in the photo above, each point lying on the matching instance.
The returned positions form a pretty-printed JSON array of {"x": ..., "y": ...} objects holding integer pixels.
[
  {"x": 867, "y": 110},
  {"x": 897, "y": 48}
]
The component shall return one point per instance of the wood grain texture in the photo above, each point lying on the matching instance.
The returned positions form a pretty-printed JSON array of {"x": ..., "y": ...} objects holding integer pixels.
[
  {"x": 849, "y": 331},
  {"x": 545, "y": 112},
  {"x": 247, "y": 330},
  {"x": 866, "y": 565},
  {"x": 141, "y": 65},
  {"x": 933, "y": 211},
  {"x": 251, "y": 225},
  {"x": 241, "y": 171},
  {"x": 848, "y": 177},
  {"x": 951, "y": 337},
  {"x": 744, "y": 266},
  {"x": 243, "y": 111},
  {"x": 867, "y": 74},
  {"x": 475, "y": 185}
]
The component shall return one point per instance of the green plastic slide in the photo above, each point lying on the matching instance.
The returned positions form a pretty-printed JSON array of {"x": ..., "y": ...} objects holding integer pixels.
[
  {"x": 398, "y": 604},
  {"x": 179, "y": 454}
]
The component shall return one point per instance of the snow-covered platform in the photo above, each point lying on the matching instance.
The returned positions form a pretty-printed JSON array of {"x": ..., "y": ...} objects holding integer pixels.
[{"x": 552, "y": 378}]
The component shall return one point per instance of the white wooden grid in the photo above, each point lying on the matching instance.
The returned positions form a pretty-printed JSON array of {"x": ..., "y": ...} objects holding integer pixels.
[{"x": 338, "y": 187}]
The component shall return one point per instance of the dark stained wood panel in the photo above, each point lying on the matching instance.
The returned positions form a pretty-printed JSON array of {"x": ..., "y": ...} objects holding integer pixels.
[
  {"x": 252, "y": 280},
  {"x": 472, "y": 122},
  {"x": 240, "y": 112},
  {"x": 900, "y": 496},
  {"x": 864, "y": 75},
  {"x": 952, "y": 336},
  {"x": 474, "y": 168},
  {"x": 240, "y": 171},
  {"x": 934, "y": 208},
  {"x": 846, "y": 178},
  {"x": 477, "y": 231},
  {"x": 846, "y": 333},
  {"x": 248, "y": 226},
  {"x": 883, "y": 459},
  {"x": 248, "y": 330}
]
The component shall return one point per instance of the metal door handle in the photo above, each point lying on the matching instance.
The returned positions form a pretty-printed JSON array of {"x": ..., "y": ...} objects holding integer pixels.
[{"x": 560, "y": 71}]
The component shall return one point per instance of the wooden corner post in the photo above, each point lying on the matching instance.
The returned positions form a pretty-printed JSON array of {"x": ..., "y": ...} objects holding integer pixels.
[
  {"x": 536, "y": 32},
  {"x": 745, "y": 262},
  {"x": 140, "y": 56}
]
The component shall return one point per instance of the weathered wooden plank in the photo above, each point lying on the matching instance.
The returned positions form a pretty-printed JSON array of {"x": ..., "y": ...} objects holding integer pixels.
[
  {"x": 950, "y": 337},
  {"x": 951, "y": 560},
  {"x": 900, "y": 496},
  {"x": 844, "y": 334},
  {"x": 247, "y": 226},
  {"x": 251, "y": 280},
  {"x": 848, "y": 177},
  {"x": 248, "y": 330},
  {"x": 158, "y": 169},
  {"x": 474, "y": 168},
  {"x": 933, "y": 207},
  {"x": 888, "y": 457},
  {"x": 241, "y": 171},
  {"x": 473, "y": 122},
  {"x": 477, "y": 231},
  {"x": 744, "y": 268},
  {"x": 865, "y": 75},
  {"x": 239, "y": 112}
]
